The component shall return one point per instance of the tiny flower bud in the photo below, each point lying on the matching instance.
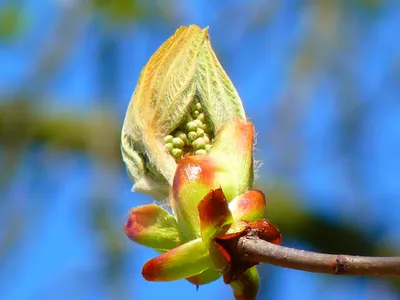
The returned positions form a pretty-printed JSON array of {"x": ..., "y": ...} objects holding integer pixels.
[
  {"x": 198, "y": 122},
  {"x": 195, "y": 114},
  {"x": 192, "y": 126},
  {"x": 200, "y": 117},
  {"x": 192, "y": 136},
  {"x": 168, "y": 139},
  {"x": 169, "y": 147},
  {"x": 200, "y": 131},
  {"x": 201, "y": 152},
  {"x": 199, "y": 144},
  {"x": 176, "y": 152},
  {"x": 178, "y": 143},
  {"x": 182, "y": 136}
]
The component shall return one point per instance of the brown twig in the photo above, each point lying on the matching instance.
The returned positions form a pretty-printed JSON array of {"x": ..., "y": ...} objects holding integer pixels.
[{"x": 255, "y": 249}]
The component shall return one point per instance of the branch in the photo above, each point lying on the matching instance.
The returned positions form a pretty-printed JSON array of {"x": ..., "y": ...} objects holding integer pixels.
[{"x": 257, "y": 250}]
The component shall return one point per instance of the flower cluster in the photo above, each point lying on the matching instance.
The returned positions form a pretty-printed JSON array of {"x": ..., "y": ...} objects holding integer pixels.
[{"x": 198, "y": 154}]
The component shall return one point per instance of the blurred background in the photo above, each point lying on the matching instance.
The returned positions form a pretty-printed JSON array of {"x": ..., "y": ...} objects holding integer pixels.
[{"x": 320, "y": 80}]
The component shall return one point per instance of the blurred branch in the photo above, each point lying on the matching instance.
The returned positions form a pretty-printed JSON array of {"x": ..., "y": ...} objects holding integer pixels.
[
  {"x": 22, "y": 122},
  {"x": 51, "y": 57},
  {"x": 257, "y": 250},
  {"x": 12, "y": 20}
]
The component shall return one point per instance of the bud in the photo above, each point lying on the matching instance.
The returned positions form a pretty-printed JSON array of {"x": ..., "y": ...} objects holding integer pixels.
[
  {"x": 185, "y": 138},
  {"x": 183, "y": 97},
  {"x": 184, "y": 261},
  {"x": 248, "y": 206},
  {"x": 152, "y": 226},
  {"x": 246, "y": 287}
]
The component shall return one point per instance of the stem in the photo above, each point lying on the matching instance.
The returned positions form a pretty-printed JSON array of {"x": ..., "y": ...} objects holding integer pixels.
[{"x": 257, "y": 250}]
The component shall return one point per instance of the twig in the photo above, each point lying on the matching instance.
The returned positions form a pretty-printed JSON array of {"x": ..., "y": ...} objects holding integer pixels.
[{"x": 261, "y": 251}]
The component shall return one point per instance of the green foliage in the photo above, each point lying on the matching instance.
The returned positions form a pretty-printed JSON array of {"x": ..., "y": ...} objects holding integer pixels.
[
  {"x": 119, "y": 11},
  {"x": 12, "y": 20}
]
